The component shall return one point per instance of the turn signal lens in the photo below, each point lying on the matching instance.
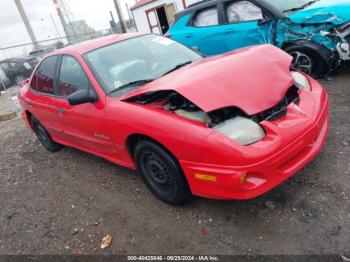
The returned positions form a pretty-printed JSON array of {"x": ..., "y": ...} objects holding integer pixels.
[
  {"x": 243, "y": 178},
  {"x": 205, "y": 177}
]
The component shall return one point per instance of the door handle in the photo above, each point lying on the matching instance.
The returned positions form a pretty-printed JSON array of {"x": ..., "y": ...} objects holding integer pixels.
[
  {"x": 188, "y": 36},
  {"x": 60, "y": 110}
]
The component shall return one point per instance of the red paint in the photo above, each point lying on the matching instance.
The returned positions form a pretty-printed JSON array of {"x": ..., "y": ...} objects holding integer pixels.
[
  {"x": 226, "y": 80},
  {"x": 290, "y": 142}
]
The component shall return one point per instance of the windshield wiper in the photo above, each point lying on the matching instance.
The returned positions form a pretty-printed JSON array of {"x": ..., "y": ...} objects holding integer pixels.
[
  {"x": 133, "y": 83},
  {"x": 301, "y": 7},
  {"x": 177, "y": 67}
]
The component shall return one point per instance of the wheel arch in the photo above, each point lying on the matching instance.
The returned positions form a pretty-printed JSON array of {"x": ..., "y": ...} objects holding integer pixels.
[
  {"x": 327, "y": 56},
  {"x": 133, "y": 139},
  {"x": 29, "y": 116}
]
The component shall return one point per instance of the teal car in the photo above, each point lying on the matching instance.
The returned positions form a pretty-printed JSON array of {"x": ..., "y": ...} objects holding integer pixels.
[{"x": 316, "y": 33}]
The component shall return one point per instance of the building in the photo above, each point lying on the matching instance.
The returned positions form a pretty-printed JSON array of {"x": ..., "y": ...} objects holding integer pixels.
[
  {"x": 79, "y": 31},
  {"x": 156, "y": 16}
]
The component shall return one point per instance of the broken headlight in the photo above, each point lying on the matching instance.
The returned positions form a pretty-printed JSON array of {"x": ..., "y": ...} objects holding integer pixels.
[
  {"x": 301, "y": 81},
  {"x": 242, "y": 130}
]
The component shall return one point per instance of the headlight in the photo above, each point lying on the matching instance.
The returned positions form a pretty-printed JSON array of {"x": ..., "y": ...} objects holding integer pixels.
[
  {"x": 242, "y": 130},
  {"x": 301, "y": 81}
]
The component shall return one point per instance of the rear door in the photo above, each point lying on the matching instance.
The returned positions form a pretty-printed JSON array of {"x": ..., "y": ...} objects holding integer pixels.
[
  {"x": 245, "y": 24},
  {"x": 41, "y": 99},
  {"x": 204, "y": 31},
  {"x": 84, "y": 126}
]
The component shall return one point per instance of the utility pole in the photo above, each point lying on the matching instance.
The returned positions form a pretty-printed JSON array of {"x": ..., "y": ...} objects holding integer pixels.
[
  {"x": 120, "y": 16},
  {"x": 54, "y": 23},
  {"x": 26, "y": 22},
  {"x": 62, "y": 19}
]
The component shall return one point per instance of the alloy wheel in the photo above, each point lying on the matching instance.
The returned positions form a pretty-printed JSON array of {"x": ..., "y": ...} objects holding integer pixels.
[{"x": 302, "y": 62}]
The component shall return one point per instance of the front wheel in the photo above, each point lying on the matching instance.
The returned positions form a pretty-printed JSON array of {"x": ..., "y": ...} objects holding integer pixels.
[
  {"x": 44, "y": 137},
  {"x": 161, "y": 173},
  {"x": 307, "y": 61}
]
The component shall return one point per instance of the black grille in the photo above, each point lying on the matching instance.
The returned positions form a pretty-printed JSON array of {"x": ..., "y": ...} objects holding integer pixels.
[{"x": 280, "y": 110}]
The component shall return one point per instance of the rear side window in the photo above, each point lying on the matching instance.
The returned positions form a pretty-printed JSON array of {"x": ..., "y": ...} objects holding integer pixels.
[
  {"x": 206, "y": 17},
  {"x": 43, "y": 79},
  {"x": 243, "y": 11},
  {"x": 72, "y": 77}
]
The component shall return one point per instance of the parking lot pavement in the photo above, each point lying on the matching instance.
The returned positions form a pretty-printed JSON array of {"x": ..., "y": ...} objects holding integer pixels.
[{"x": 65, "y": 203}]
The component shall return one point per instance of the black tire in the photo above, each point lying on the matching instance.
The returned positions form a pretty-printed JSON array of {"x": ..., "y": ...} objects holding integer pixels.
[
  {"x": 161, "y": 173},
  {"x": 44, "y": 137},
  {"x": 304, "y": 57}
]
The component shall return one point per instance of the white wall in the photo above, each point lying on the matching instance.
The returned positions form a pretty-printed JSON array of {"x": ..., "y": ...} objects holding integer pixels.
[
  {"x": 190, "y": 2},
  {"x": 140, "y": 14}
]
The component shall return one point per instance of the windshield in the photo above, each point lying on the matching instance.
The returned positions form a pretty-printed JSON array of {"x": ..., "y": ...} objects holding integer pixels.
[
  {"x": 290, "y": 5},
  {"x": 126, "y": 65}
]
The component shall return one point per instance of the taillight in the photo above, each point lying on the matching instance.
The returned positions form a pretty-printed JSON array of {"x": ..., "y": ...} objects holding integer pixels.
[{"x": 167, "y": 35}]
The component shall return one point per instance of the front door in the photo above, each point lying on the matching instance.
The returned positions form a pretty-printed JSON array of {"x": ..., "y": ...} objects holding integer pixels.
[
  {"x": 84, "y": 125},
  {"x": 246, "y": 25}
]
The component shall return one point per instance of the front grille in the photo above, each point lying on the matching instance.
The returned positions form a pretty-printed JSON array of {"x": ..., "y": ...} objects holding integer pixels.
[{"x": 280, "y": 110}]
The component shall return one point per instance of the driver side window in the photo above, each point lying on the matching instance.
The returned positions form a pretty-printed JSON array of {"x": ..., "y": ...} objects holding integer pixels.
[
  {"x": 72, "y": 77},
  {"x": 243, "y": 11}
]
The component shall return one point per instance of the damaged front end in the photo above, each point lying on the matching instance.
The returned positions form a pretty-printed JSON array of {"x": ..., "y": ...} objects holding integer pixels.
[
  {"x": 231, "y": 122},
  {"x": 342, "y": 33},
  {"x": 324, "y": 31}
]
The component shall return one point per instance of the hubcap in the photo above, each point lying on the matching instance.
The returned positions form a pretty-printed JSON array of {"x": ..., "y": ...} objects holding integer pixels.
[
  {"x": 158, "y": 172},
  {"x": 302, "y": 62}
]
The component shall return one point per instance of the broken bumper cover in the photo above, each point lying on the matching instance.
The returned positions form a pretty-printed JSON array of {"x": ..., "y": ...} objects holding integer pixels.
[{"x": 226, "y": 182}]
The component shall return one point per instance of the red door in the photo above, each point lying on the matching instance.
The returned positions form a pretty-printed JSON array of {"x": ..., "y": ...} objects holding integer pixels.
[
  {"x": 84, "y": 126},
  {"x": 41, "y": 99}
]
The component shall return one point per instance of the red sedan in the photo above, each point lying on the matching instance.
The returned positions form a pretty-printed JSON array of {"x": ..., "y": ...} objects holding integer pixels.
[{"x": 227, "y": 127}]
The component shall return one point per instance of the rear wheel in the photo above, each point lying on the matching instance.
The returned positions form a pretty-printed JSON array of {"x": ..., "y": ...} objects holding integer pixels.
[
  {"x": 307, "y": 61},
  {"x": 161, "y": 173},
  {"x": 44, "y": 137}
]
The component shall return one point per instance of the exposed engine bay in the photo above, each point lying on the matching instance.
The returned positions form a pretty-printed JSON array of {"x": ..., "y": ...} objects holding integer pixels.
[
  {"x": 230, "y": 121},
  {"x": 176, "y": 103}
]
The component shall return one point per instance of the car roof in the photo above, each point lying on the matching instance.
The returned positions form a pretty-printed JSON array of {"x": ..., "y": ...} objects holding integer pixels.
[
  {"x": 87, "y": 46},
  {"x": 207, "y": 3}
]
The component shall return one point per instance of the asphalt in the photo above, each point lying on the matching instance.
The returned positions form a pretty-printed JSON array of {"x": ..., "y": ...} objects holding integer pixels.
[{"x": 65, "y": 203}]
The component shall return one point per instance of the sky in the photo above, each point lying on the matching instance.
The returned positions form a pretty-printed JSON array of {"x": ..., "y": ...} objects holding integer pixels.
[{"x": 39, "y": 12}]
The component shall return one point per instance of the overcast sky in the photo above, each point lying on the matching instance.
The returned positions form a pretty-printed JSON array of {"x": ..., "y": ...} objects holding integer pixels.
[{"x": 13, "y": 32}]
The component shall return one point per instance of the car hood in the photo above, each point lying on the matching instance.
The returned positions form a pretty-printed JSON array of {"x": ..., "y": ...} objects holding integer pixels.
[
  {"x": 336, "y": 12},
  {"x": 253, "y": 79}
]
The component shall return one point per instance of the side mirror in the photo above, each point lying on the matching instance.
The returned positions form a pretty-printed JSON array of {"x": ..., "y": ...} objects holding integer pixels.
[{"x": 83, "y": 97}]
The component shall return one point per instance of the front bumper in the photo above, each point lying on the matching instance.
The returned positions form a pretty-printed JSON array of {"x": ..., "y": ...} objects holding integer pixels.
[{"x": 264, "y": 175}]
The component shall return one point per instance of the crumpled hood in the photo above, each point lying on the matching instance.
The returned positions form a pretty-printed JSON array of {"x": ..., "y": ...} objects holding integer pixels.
[
  {"x": 336, "y": 12},
  {"x": 253, "y": 79}
]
